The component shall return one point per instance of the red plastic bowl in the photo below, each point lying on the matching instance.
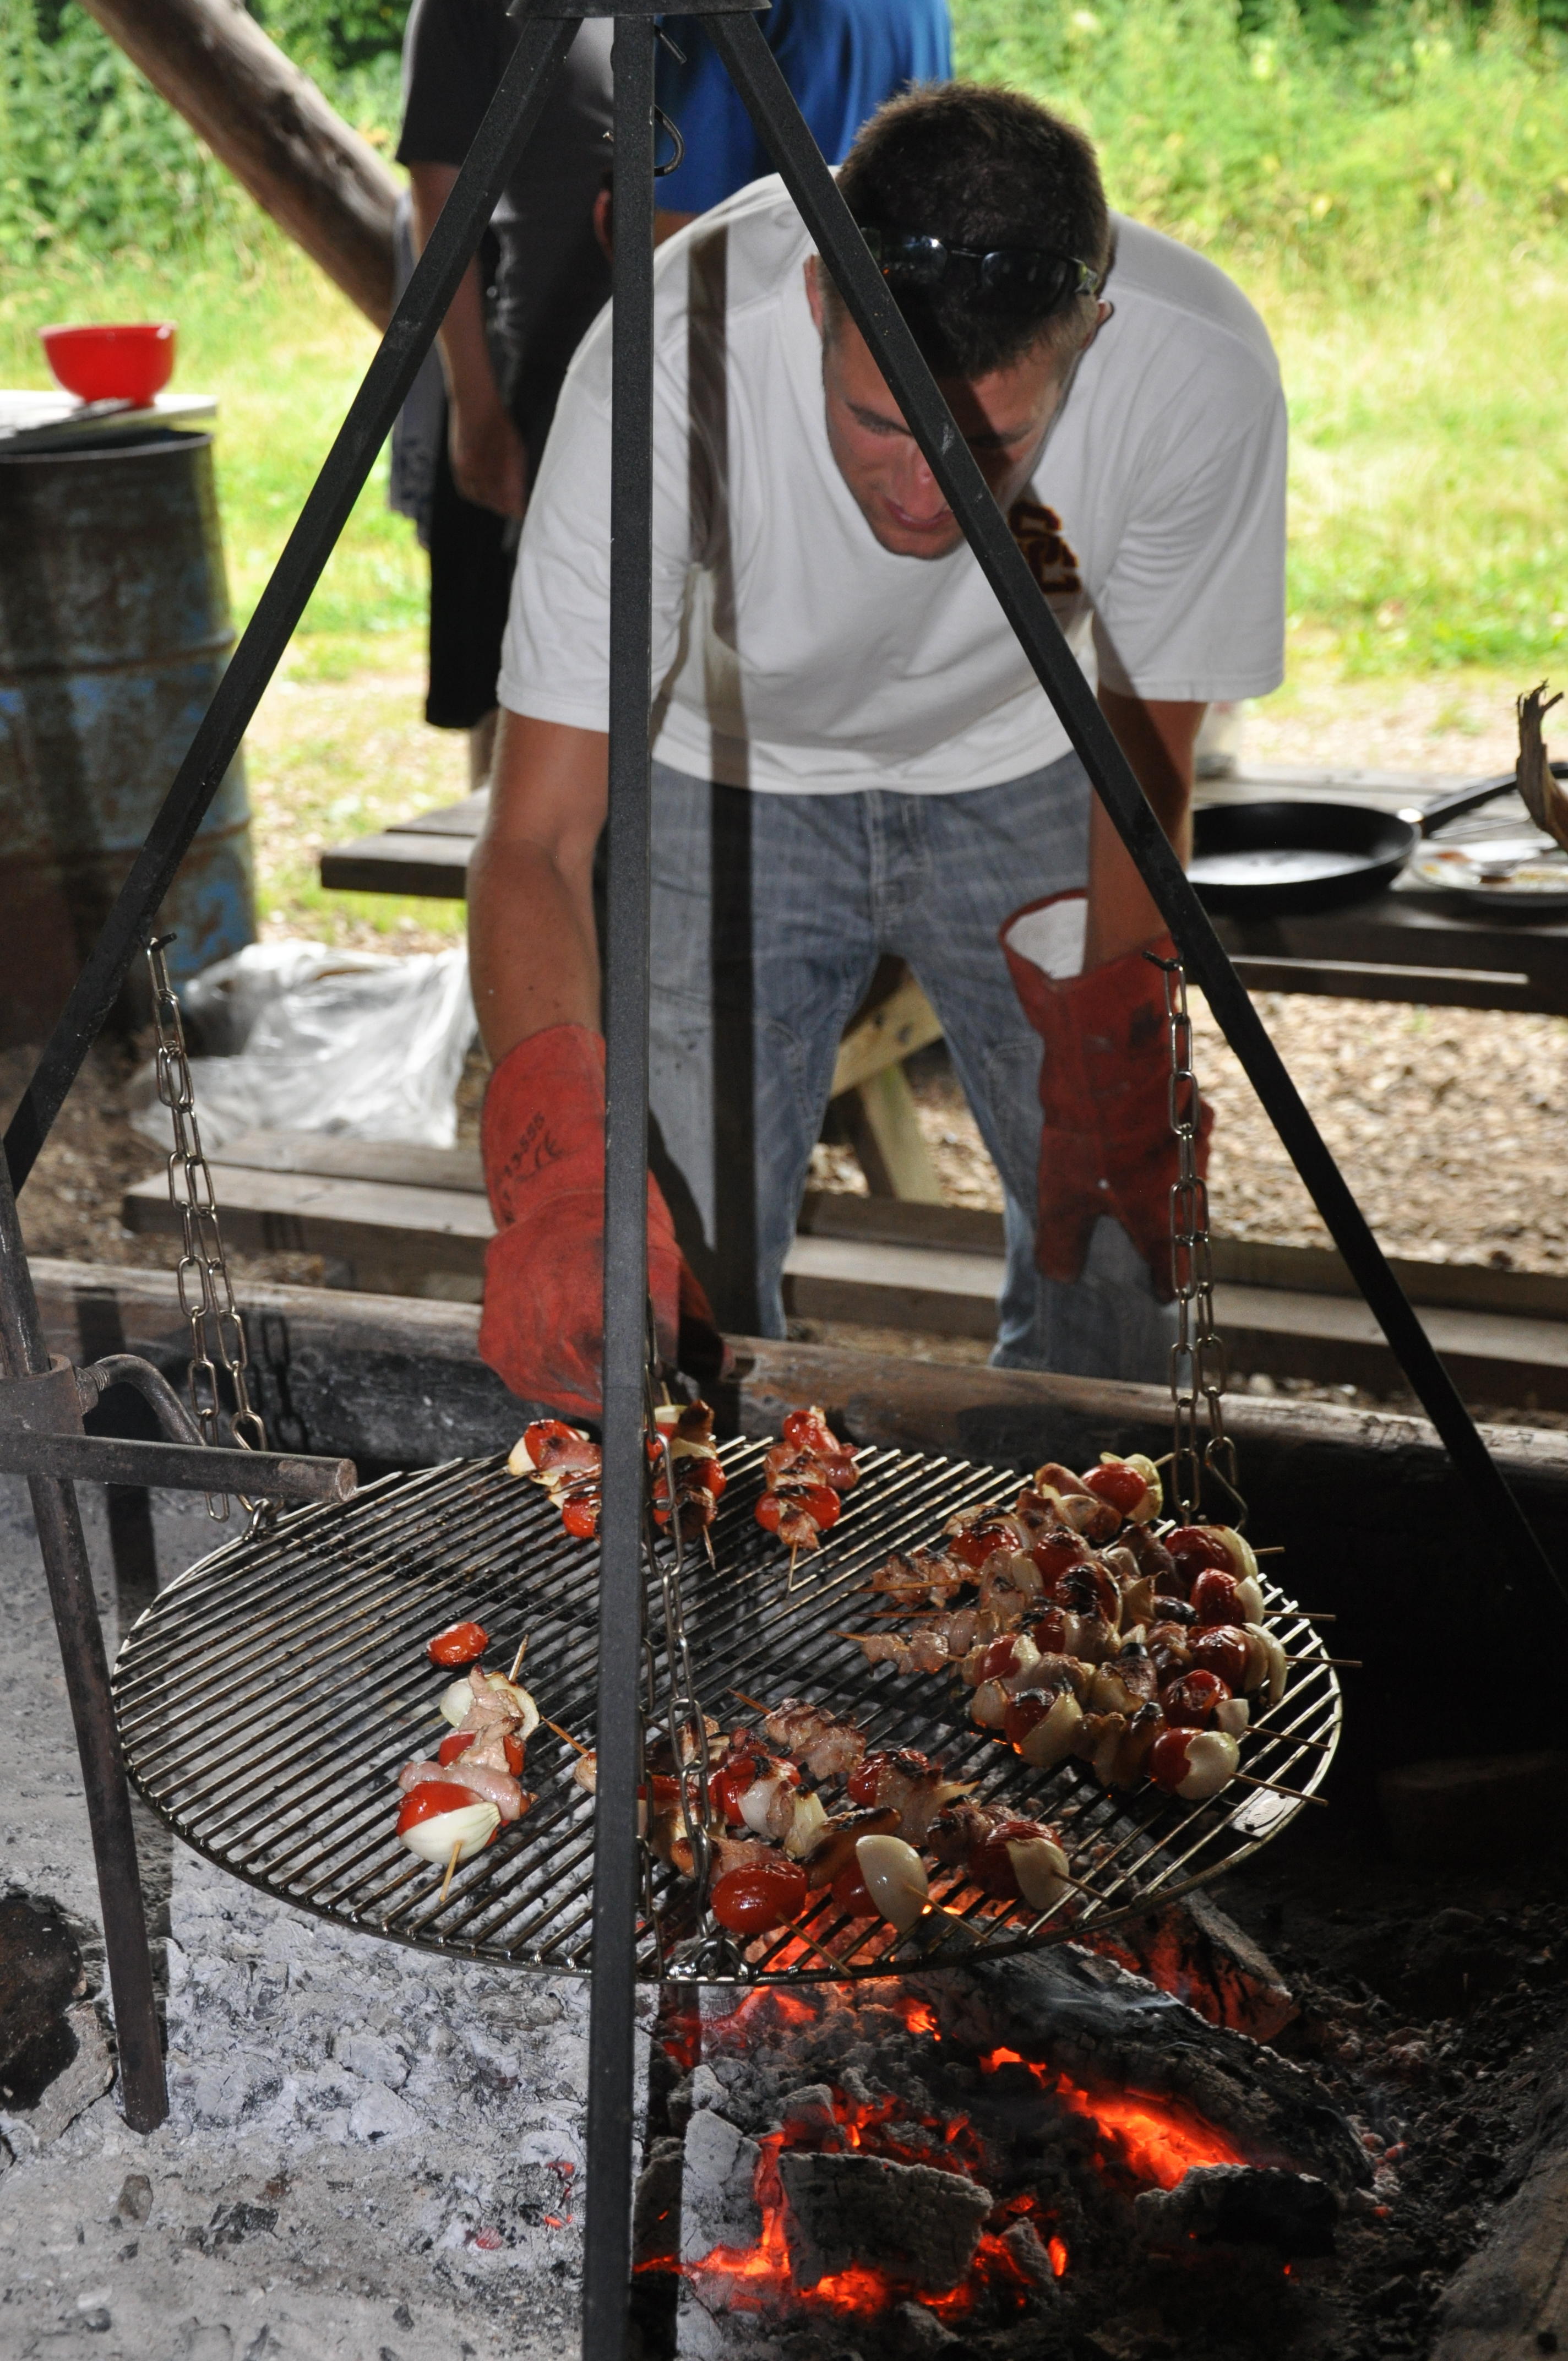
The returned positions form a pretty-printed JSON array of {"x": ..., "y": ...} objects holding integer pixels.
[{"x": 112, "y": 364}]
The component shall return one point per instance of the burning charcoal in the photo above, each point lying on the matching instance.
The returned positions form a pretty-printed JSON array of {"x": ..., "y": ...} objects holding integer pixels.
[
  {"x": 1191, "y": 1948},
  {"x": 1113, "y": 2030},
  {"x": 1236, "y": 2204},
  {"x": 809, "y": 2115},
  {"x": 921, "y": 2334},
  {"x": 919, "y": 2225},
  {"x": 656, "y": 2206},
  {"x": 1023, "y": 2243},
  {"x": 719, "y": 2204}
]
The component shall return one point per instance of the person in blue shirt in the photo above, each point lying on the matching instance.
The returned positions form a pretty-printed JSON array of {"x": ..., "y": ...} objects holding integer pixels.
[{"x": 840, "y": 57}]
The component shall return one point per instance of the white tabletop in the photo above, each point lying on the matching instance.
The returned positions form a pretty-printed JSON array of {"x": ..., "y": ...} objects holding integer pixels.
[{"x": 26, "y": 413}]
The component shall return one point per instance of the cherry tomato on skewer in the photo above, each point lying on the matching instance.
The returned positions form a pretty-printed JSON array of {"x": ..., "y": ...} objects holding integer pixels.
[
  {"x": 1222, "y": 1649},
  {"x": 1115, "y": 1481},
  {"x": 760, "y": 1895},
  {"x": 1189, "y": 1703}
]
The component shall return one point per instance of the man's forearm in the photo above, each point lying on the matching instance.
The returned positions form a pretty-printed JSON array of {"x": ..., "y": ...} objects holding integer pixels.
[
  {"x": 1158, "y": 739},
  {"x": 532, "y": 945}
]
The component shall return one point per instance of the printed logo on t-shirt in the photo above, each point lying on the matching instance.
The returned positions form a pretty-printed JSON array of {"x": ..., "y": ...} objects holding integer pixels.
[{"x": 1038, "y": 533}]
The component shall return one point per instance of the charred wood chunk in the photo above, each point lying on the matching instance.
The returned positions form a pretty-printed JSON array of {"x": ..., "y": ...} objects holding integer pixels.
[
  {"x": 1191, "y": 1948},
  {"x": 1110, "y": 2030},
  {"x": 656, "y": 2206},
  {"x": 1234, "y": 2205},
  {"x": 718, "y": 2200},
  {"x": 917, "y": 2225}
]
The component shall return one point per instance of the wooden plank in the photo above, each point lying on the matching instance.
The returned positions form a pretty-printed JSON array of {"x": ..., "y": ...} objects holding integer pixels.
[
  {"x": 433, "y": 867},
  {"x": 416, "y": 1230},
  {"x": 327, "y": 1152},
  {"x": 1456, "y": 1286},
  {"x": 465, "y": 819},
  {"x": 1334, "y": 1340},
  {"x": 904, "y": 1023},
  {"x": 922, "y": 1288},
  {"x": 883, "y": 1124},
  {"x": 1427, "y": 987},
  {"x": 889, "y": 1221}
]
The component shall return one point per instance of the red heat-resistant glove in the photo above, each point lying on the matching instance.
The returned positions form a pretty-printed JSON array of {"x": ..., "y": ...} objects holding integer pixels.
[
  {"x": 543, "y": 1144},
  {"x": 1107, "y": 1145}
]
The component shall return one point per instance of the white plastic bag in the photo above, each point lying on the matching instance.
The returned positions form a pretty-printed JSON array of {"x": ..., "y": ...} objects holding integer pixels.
[{"x": 336, "y": 1041}]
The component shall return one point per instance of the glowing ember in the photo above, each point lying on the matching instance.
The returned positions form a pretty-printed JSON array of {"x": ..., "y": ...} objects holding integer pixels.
[
  {"x": 917, "y": 2014},
  {"x": 1057, "y": 2249},
  {"x": 1156, "y": 2139}
]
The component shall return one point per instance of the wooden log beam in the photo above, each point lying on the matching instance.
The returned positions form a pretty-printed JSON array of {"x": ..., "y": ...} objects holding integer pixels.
[{"x": 266, "y": 119}]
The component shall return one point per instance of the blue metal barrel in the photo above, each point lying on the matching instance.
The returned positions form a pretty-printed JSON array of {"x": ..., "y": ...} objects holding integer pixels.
[{"x": 113, "y": 631}]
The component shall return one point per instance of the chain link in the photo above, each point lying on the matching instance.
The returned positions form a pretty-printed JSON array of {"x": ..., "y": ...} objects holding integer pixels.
[
  {"x": 206, "y": 1296},
  {"x": 711, "y": 1951},
  {"x": 1198, "y": 1369}
]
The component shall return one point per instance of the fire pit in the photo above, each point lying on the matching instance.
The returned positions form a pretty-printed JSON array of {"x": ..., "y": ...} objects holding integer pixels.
[
  {"x": 268, "y": 1697},
  {"x": 991, "y": 2156}
]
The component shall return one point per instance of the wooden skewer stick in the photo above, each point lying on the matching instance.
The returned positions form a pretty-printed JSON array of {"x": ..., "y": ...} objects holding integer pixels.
[
  {"x": 755, "y": 1703},
  {"x": 1305, "y": 1614},
  {"x": 566, "y": 1735},
  {"x": 517, "y": 1660},
  {"x": 1269, "y": 1549},
  {"x": 1296, "y": 1794},
  {"x": 1340, "y": 1664},
  {"x": 451, "y": 1865},
  {"x": 1285, "y": 1737}
]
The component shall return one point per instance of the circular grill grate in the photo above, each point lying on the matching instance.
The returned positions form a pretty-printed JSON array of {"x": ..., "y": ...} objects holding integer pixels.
[{"x": 267, "y": 1699}]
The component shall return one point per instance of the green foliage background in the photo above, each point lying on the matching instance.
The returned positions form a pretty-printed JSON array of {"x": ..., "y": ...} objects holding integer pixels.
[{"x": 1388, "y": 179}]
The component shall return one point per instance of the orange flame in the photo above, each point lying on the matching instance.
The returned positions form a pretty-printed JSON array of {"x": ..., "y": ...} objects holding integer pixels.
[{"x": 1156, "y": 2139}]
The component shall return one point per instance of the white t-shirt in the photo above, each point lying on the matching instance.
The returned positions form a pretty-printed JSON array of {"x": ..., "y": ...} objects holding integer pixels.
[{"x": 791, "y": 651}]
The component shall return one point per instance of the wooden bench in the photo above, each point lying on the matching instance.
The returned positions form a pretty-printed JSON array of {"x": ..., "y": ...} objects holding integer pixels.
[{"x": 415, "y": 1222}]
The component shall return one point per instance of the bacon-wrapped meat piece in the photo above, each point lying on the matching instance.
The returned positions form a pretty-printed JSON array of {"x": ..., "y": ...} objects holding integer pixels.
[{"x": 825, "y": 1746}]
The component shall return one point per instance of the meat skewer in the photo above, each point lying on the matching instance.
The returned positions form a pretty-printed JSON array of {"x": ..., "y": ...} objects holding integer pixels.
[{"x": 804, "y": 1475}]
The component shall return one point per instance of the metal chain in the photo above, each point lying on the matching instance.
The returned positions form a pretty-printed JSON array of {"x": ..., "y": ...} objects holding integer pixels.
[
  {"x": 711, "y": 1951},
  {"x": 206, "y": 1296},
  {"x": 1198, "y": 1369}
]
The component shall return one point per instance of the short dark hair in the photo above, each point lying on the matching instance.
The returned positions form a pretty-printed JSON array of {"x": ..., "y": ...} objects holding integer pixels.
[{"x": 979, "y": 168}]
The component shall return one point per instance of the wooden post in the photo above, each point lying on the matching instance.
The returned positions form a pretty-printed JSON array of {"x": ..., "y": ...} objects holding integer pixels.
[{"x": 266, "y": 119}]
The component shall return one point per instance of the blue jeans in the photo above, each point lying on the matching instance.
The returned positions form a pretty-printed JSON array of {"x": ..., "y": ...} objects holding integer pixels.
[{"x": 770, "y": 913}]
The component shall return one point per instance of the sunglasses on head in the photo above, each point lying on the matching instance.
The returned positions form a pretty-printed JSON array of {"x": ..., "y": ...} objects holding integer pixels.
[{"x": 1026, "y": 277}]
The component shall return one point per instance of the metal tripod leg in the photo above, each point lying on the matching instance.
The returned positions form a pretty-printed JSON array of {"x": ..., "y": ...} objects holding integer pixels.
[
  {"x": 752, "y": 68},
  {"x": 81, "y": 1634},
  {"x": 607, "y": 2249}
]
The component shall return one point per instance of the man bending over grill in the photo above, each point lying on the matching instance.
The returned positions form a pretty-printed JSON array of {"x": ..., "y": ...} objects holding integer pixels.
[{"x": 852, "y": 756}]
